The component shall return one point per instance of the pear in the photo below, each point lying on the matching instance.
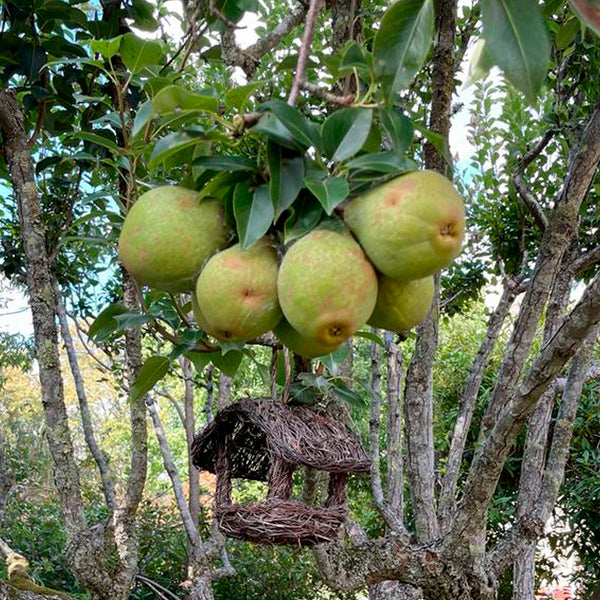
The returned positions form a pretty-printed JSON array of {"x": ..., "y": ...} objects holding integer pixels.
[
  {"x": 301, "y": 344},
  {"x": 327, "y": 287},
  {"x": 237, "y": 293},
  {"x": 168, "y": 235},
  {"x": 401, "y": 303},
  {"x": 411, "y": 226}
]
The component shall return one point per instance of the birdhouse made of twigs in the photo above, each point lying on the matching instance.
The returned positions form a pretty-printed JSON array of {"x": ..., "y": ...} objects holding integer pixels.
[{"x": 262, "y": 440}]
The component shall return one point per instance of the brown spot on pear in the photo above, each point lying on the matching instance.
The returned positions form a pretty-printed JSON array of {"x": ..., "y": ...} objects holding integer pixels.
[
  {"x": 168, "y": 235},
  {"x": 411, "y": 226},
  {"x": 236, "y": 293},
  {"x": 402, "y": 303},
  {"x": 327, "y": 287}
]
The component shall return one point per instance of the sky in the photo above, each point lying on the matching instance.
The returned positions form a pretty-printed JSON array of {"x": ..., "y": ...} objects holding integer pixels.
[{"x": 15, "y": 316}]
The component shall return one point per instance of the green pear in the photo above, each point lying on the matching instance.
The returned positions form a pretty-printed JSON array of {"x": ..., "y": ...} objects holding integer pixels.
[
  {"x": 327, "y": 287},
  {"x": 301, "y": 344},
  {"x": 237, "y": 293},
  {"x": 411, "y": 226},
  {"x": 168, "y": 235},
  {"x": 402, "y": 303}
]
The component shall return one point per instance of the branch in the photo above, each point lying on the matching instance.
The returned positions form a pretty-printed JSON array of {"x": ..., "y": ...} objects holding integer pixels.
[
  {"x": 42, "y": 303},
  {"x": 390, "y": 516},
  {"x": 526, "y": 194},
  {"x": 346, "y": 100},
  {"x": 468, "y": 401},
  {"x": 531, "y": 524},
  {"x": 108, "y": 485},
  {"x": 395, "y": 438},
  {"x": 418, "y": 418},
  {"x": 586, "y": 260},
  {"x": 249, "y": 58},
  {"x": 309, "y": 30},
  {"x": 169, "y": 464},
  {"x": 489, "y": 460},
  {"x": 556, "y": 240}
]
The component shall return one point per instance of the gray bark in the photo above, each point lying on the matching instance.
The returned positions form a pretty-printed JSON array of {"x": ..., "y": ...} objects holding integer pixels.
[
  {"x": 447, "y": 505},
  {"x": 393, "y": 590},
  {"x": 108, "y": 486}
]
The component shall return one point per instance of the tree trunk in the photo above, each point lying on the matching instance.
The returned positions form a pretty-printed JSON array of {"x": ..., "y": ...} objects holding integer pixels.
[
  {"x": 200, "y": 588},
  {"x": 393, "y": 590}
]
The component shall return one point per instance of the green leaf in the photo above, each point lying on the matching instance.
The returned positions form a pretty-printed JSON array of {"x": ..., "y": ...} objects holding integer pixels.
[
  {"x": 402, "y": 43},
  {"x": 271, "y": 127},
  {"x": 567, "y": 33},
  {"x": 96, "y": 139},
  {"x": 480, "y": 65},
  {"x": 355, "y": 57},
  {"x": 169, "y": 145},
  {"x": 369, "y": 335},
  {"x": 107, "y": 48},
  {"x": 330, "y": 192},
  {"x": 238, "y": 96},
  {"x": 153, "y": 370},
  {"x": 225, "y": 163},
  {"x": 306, "y": 214},
  {"x": 334, "y": 360},
  {"x": 517, "y": 41},
  {"x": 137, "y": 53},
  {"x": 382, "y": 162},
  {"x": 143, "y": 15},
  {"x": 173, "y": 98},
  {"x": 105, "y": 324},
  {"x": 133, "y": 320},
  {"x": 439, "y": 142},
  {"x": 227, "y": 363},
  {"x": 141, "y": 118},
  {"x": 345, "y": 132},
  {"x": 302, "y": 131},
  {"x": 287, "y": 177},
  {"x": 399, "y": 129},
  {"x": 253, "y": 213},
  {"x": 344, "y": 393},
  {"x": 200, "y": 359}
]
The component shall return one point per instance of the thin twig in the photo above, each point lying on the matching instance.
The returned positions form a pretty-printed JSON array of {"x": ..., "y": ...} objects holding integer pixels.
[
  {"x": 345, "y": 100},
  {"x": 309, "y": 30},
  {"x": 524, "y": 191}
]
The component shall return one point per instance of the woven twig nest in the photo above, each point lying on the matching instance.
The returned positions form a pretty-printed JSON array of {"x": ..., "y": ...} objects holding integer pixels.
[
  {"x": 266, "y": 441},
  {"x": 278, "y": 521}
]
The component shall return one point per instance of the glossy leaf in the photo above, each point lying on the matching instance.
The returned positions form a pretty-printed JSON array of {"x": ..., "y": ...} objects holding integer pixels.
[
  {"x": 107, "y": 48},
  {"x": 302, "y": 131},
  {"x": 105, "y": 324},
  {"x": 173, "y": 98},
  {"x": 271, "y": 127},
  {"x": 517, "y": 41},
  {"x": 97, "y": 139},
  {"x": 305, "y": 215},
  {"x": 480, "y": 65},
  {"x": 345, "y": 132},
  {"x": 225, "y": 163},
  {"x": 169, "y": 145},
  {"x": 253, "y": 213},
  {"x": 402, "y": 43},
  {"x": 399, "y": 129},
  {"x": 142, "y": 117},
  {"x": 286, "y": 177},
  {"x": 152, "y": 371},
  {"x": 137, "y": 53},
  {"x": 330, "y": 192},
  {"x": 237, "y": 97},
  {"x": 382, "y": 162}
]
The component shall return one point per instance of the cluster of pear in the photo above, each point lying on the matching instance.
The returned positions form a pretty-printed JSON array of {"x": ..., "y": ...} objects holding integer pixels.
[{"x": 377, "y": 270}]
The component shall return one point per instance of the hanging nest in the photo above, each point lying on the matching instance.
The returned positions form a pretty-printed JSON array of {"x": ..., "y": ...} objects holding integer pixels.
[
  {"x": 278, "y": 521},
  {"x": 262, "y": 440},
  {"x": 259, "y": 428}
]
